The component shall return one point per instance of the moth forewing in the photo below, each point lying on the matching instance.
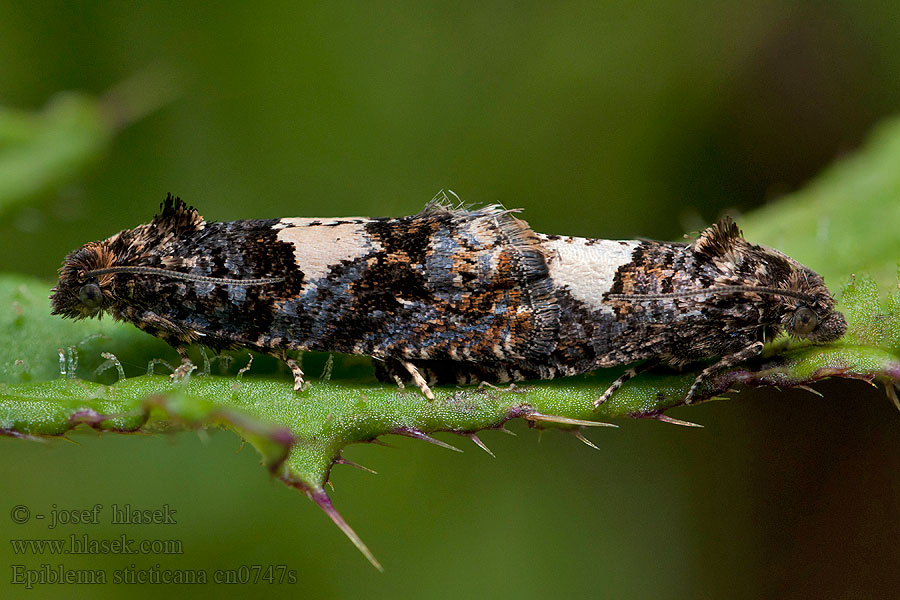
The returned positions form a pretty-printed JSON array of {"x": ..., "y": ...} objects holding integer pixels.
[{"x": 448, "y": 295}]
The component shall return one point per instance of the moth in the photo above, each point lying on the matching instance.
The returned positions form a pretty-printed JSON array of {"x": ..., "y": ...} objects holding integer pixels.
[{"x": 448, "y": 295}]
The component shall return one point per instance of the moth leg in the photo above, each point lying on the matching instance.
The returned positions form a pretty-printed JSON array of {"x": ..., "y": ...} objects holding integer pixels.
[
  {"x": 388, "y": 369},
  {"x": 727, "y": 361},
  {"x": 297, "y": 372},
  {"x": 485, "y": 384},
  {"x": 418, "y": 379},
  {"x": 628, "y": 374},
  {"x": 186, "y": 366},
  {"x": 510, "y": 388}
]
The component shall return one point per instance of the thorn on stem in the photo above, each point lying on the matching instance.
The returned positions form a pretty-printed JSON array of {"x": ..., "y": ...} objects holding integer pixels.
[
  {"x": 480, "y": 444},
  {"x": 578, "y": 434},
  {"x": 324, "y": 502},
  {"x": 674, "y": 421},
  {"x": 33, "y": 438},
  {"x": 891, "y": 389},
  {"x": 810, "y": 390},
  {"x": 536, "y": 416},
  {"x": 421, "y": 435},
  {"x": 343, "y": 461}
]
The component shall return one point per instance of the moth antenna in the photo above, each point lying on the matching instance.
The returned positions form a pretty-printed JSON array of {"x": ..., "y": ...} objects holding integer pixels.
[
  {"x": 728, "y": 289},
  {"x": 184, "y": 276}
]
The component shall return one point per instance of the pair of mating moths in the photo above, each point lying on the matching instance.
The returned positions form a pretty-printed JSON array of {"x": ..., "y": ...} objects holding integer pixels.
[{"x": 447, "y": 295}]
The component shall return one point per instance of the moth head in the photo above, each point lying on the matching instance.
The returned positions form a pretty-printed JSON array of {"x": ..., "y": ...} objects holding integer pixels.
[
  {"x": 80, "y": 293},
  {"x": 804, "y": 306},
  {"x": 88, "y": 277},
  {"x": 809, "y": 312}
]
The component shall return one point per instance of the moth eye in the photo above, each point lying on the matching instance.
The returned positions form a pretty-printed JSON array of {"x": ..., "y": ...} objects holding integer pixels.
[
  {"x": 803, "y": 321},
  {"x": 90, "y": 295}
]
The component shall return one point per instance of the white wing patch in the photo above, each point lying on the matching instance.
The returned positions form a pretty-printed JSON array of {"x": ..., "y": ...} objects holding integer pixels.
[
  {"x": 587, "y": 268},
  {"x": 320, "y": 244}
]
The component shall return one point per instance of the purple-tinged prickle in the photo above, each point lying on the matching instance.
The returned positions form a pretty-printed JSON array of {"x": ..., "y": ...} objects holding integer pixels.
[
  {"x": 479, "y": 443},
  {"x": 324, "y": 502},
  {"x": 535, "y": 417},
  {"x": 421, "y": 435}
]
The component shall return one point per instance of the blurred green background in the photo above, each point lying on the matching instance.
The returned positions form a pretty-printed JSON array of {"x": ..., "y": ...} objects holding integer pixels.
[{"x": 604, "y": 119}]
